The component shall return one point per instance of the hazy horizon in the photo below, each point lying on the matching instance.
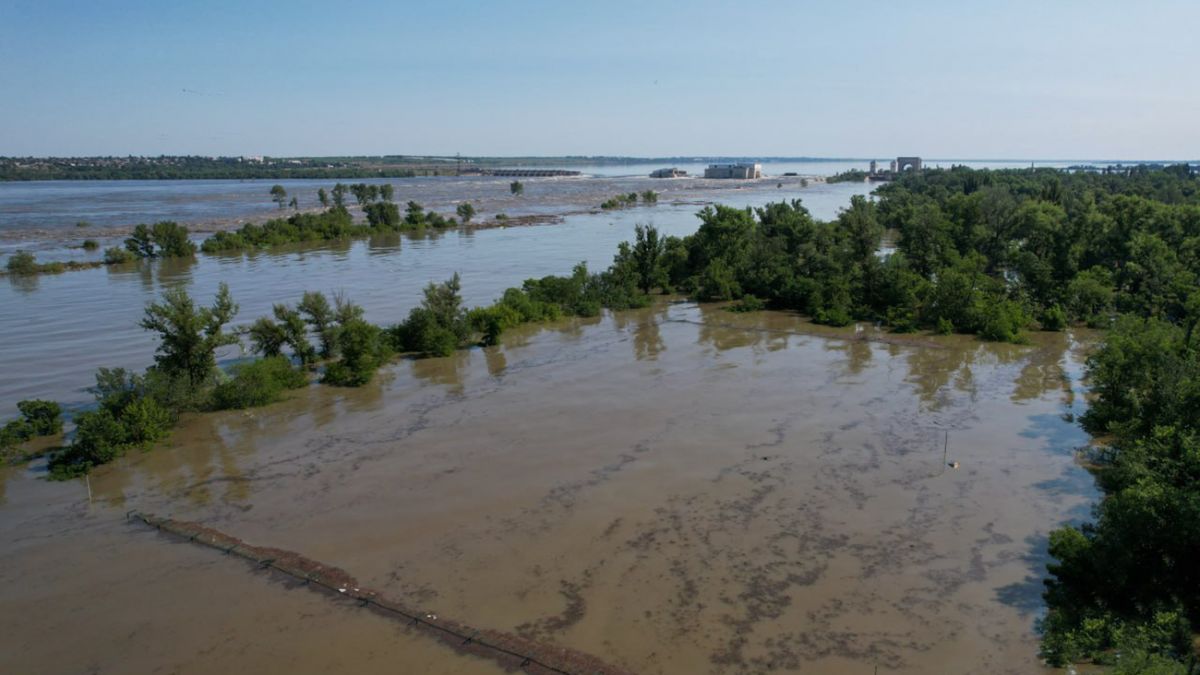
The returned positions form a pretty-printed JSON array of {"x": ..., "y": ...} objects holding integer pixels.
[{"x": 1017, "y": 81}]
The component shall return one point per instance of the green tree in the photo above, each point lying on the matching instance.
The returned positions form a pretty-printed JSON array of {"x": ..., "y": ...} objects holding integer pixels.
[
  {"x": 517, "y": 188},
  {"x": 319, "y": 314},
  {"x": 647, "y": 253},
  {"x": 323, "y": 197},
  {"x": 279, "y": 195},
  {"x": 387, "y": 192},
  {"x": 465, "y": 212},
  {"x": 188, "y": 335}
]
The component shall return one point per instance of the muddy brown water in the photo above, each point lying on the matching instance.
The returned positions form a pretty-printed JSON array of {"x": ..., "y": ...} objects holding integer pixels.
[{"x": 676, "y": 490}]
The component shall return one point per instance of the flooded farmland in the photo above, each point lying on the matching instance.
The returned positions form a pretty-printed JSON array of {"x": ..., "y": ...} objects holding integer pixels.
[{"x": 680, "y": 489}]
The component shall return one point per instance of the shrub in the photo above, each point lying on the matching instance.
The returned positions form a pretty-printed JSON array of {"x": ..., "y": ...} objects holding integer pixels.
[
  {"x": 22, "y": 263},
  {"x": 363, "y": 349},
  {"x": 382, "y": 215},
  {"x": 465, "y": 211},
  {"x": 44, "y": 417},
  {"x": 1054, "y": 318},
  {"x": 90, "y": 245},
  {"x": 748, "y": 303},
  {"x": 117, "y": 256},
  {"x": 257, "y": 383},
  {"x": 1003, "y": 321}
]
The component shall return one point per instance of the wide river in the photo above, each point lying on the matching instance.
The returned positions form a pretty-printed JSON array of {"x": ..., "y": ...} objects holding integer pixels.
[{"x": 678, "y": 489}]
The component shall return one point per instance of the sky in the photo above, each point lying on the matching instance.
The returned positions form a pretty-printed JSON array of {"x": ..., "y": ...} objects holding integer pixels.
[{"x": 1052, "y": 79}]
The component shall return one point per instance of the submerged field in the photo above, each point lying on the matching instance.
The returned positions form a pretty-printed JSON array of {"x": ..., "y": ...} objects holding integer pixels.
[{"x": 676, "y": 489}]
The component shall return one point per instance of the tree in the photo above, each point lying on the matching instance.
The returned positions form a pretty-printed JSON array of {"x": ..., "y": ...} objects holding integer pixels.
[
  {"x": 294, "y": 204},
  {"x": 323, "y": 197},
  {"x": 295, "y": 333},
  {"x": 465, "y": 212},
  {"x": 339, "y": 196},
  {"x": 279, "y": 195},
  {"x": 317, "y": 312},
  {"x": 189, "y": 336},
  {"x": 517, "y": 188},
  {"x": 647, "y": 252},
  {"x": 267, "y": 337},
  {"x": 387, "y": 192}
]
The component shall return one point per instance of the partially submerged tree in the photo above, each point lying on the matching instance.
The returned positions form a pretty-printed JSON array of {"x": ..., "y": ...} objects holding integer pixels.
[{"x": 190, "y": 335}]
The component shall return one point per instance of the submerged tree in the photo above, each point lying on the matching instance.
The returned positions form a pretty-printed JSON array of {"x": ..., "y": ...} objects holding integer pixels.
[
  {"x": 465, "y": 212},
  {"x": 517, "y": 188},
  {"x": 279, "y": 195},
  {"x": 189, "y": 335}
]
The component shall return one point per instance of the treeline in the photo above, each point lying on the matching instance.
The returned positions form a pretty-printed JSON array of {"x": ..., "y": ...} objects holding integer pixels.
[
  {"x": 631, "y": 199},
  {"x": 848, "y": 176},
  {"x": 335, "y": 223},
  {"x": 180, "y": 168},
  {"x": 1125, "y": 588}
]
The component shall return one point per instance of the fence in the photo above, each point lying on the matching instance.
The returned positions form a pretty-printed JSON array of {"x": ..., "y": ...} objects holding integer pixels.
[{"x": 510, "y": 651}]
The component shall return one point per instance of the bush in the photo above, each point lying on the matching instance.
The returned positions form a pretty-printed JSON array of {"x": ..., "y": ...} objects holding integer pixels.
[
  {"x": 43, "y": 417},
  {"x": 117, "y": 256},
  {"x": 22, "y": 263},
  {"x": 363, "y": 348},
  {"x": 1054, "y": 318},
  {"x": 1003, "y": 321},
  {"x": 165, "y": 239},
  {"x": 104, "y": 434},
  {"x": 257, "y": 383},
  {"x": 383, "y": 215},
  {"x": 90, "y": 245},
  {"x": 748, "y": 303}
]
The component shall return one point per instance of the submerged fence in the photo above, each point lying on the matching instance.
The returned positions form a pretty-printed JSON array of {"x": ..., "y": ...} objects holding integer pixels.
[{"x": 510, "y": 651}]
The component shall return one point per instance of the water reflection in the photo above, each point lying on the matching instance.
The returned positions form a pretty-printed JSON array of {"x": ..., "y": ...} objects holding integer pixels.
[
  {"x": 24, "y": 283},
  {"x": 444, "y": 371},
  {"x": 497, "y": 362}
]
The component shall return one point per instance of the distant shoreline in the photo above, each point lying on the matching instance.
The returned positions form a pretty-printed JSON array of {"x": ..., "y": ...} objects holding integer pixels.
[{"x": 23, "y": 169}]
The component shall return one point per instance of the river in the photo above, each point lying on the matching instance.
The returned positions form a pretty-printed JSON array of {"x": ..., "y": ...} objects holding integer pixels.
[{"x": 677, "y": 489}]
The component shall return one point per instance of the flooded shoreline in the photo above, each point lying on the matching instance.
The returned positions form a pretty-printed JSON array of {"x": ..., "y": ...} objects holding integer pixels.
[
  {"x": 58, "y": 329},
  {"x": 676, "y": 489}
]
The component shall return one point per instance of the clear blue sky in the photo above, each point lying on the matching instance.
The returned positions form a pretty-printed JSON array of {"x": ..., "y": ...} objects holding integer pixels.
[{"x": 952, "y": 79}]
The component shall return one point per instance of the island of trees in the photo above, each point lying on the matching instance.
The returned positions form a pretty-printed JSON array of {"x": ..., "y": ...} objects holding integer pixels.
[{"x": 989, "y": 253}]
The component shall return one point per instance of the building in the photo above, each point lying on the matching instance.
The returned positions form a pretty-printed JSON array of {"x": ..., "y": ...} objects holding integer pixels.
[
  {"x": 735, "y": 171},
  {"x": 668, "y": 173}
]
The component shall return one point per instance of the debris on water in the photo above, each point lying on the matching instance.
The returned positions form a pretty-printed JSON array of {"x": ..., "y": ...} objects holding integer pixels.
[{"x": 953, "y": 465}]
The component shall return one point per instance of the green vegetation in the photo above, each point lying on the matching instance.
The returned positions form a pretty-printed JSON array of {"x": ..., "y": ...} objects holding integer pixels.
[
  {"x": 465, "y": 211},
  {"x": 278, "y": 195},
  {"x": 90, "y": 245},
  {"x": 136, "y": 410},
  {"x": 517, "y": 188},
  {"x": 164, "y": 239},
  {"x": 38, "y": 418},
  {"x": 851, "y": 176},
  {"x": 117, "y": 256},
  {"x": 24, "y": 263},
  {"x": 620, "y": 201},
  {"x": 333, "y": 224},
  {"x": 1128, "y": 582}
]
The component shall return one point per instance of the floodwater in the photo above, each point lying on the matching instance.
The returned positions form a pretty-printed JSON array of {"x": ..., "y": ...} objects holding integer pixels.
[
  {"x": 678, "y": 489},
  {"x": 42, "y": 215},
  {"x": 56, "y": 330}
]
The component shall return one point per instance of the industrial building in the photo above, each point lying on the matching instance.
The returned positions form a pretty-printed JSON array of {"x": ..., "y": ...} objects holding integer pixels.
[
  {"x": 737, "y": 171},
  {"x": 669, "y": 173}
]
